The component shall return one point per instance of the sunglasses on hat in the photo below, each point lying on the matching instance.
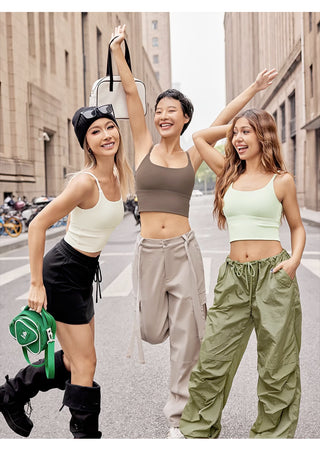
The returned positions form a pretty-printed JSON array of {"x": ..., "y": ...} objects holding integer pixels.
[{"x": 96, "y": 111}]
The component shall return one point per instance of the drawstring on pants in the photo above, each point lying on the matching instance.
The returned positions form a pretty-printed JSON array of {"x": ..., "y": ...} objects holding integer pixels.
[
  {"x": 136, "y": 333},
  {"x": 98, "y": 279}
]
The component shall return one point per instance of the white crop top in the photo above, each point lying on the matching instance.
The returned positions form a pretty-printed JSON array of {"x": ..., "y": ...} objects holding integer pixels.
[{"x": 90, "y": 229}]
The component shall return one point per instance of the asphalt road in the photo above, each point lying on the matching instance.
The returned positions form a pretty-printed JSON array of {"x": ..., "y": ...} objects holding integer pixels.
[{"x": 133, "y": 394}]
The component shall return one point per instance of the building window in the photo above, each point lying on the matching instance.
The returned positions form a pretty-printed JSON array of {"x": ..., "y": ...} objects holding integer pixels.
[
  {"x": 1, "y": 122},
  {"x": 283, "y": 122},
  {"x": 318, "y": 27},
  {"x": 99, "y": 51},
  {"x": 155, "y": 42},
  {"x": 157, "y": 75},
  {"x": 31, "y": 34},
  {"x": 311, "y": 80},
  {"x": 275, "y": 117},
  {"x": 155, "y": 59},
  {"x": 310, "y": 21},
  {"x": 154, "y": 24},
  {"x": 67, "y": 68},
  {"x": 292, "y": 101},
  {"x": 42, "y": 38},
  {"x": 69, "y": 142},
  {"x": 294, "y": 155},
  {"x": 52, "y": 43}
]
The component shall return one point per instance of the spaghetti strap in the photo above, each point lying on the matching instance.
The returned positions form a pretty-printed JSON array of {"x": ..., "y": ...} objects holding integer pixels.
[{"x": 91, "y": 174}]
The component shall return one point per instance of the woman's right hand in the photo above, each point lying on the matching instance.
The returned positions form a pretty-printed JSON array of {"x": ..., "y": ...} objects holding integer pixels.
[
  {"x": 37, "y": 298},
  {"x": 118, "y": 36}
]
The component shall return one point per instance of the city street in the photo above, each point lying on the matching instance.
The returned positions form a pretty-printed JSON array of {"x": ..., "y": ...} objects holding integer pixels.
[{"x": 134, "y": 394}]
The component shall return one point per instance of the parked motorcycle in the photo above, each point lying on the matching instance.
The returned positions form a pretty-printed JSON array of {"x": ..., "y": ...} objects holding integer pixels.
[{"x": 132, "y": 206}]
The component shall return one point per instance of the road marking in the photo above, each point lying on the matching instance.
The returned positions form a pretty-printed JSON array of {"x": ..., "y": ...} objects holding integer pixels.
[
  {"x": 12, "y": 275},
  {"x": 121, "y": 285},
  {"x": 312, "y": 264}
]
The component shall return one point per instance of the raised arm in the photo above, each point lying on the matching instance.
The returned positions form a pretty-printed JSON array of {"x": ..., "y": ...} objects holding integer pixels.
[
  {"x": 263, "y": 80},
  {"x": 213, "y": 158},
  {"x": 141, "y": 135}
]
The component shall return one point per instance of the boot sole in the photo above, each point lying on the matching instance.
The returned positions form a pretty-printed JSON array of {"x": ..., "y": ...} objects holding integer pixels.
[{"x": 13, "y": 426}]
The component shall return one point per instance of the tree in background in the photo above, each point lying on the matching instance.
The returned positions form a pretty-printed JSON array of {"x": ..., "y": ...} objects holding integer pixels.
[{"x": 205, "y": 178}]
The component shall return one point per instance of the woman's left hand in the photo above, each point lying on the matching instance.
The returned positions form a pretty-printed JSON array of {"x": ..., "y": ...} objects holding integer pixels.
[
  {"x": 118, "y": 36},
  {"x": 265, "y": 78},
  {"x": 289, "y": 266}
]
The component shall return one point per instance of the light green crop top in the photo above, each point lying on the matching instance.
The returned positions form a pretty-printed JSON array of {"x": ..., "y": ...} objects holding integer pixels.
[
  {"x": 90, "y": 229},
  {"x": 253, "y": 214}
]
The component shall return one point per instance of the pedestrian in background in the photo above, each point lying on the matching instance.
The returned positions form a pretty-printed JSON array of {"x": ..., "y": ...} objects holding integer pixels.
[
  {"x": 168, "y": 275},
  {"x": 256, "y": 286},
  {"x": 63, "y": 282}
]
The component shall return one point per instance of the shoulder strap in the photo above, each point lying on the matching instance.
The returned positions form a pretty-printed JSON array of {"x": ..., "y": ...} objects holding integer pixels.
[
  {"x": 91, "y": 174},
  {"x": 109, "y": 62}
]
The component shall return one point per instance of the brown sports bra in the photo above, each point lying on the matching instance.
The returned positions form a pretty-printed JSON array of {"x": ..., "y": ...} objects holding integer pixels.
[{"x": 164, "y": 189}]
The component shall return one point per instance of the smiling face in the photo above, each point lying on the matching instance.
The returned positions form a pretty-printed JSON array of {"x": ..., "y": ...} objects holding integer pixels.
[
  {"x": 103, "y": 137},
  {"x": 169, "y": 118},
  {"x": 245, "y": 140}
]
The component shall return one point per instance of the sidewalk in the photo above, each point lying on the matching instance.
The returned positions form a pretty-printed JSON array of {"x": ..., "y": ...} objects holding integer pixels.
[{"x": 9, "y": 243}]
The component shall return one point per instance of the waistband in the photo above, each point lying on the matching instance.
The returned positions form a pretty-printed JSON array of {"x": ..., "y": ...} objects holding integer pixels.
[
  {"x": 160, "y": 243},
  {"x": 251, "y": 269}
]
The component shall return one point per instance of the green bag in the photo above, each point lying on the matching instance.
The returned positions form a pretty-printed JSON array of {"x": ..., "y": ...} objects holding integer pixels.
[{"x": 35, "y": 332}]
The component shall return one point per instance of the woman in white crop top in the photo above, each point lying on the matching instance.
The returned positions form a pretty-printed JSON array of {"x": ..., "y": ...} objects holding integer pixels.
[
  {"x": 256, "y": 286},
  {"x": 62, "y": 284},
  {"x": 166, "y": 307}
]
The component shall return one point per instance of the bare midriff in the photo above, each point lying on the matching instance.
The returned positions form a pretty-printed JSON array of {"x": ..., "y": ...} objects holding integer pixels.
[
  {"x": 96, "y": 254},
  {"x": 250, "y": 250},
  {"x": 163, "y": 225}
]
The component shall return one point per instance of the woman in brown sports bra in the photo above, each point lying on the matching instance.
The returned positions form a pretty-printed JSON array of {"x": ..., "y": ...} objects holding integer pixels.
[{"x": 168, "y": 276}]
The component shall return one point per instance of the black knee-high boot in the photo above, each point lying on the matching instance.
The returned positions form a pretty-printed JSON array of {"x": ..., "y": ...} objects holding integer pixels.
[
  {"x": 17, "y": 391},
  {"x": 84, "y": 406}
]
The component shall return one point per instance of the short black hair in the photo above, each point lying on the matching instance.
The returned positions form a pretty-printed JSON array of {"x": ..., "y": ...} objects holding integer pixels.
[{"x": 187, "y": 106}]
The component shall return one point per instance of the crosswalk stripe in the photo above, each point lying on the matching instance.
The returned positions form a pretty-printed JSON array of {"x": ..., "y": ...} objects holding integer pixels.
[
  {"x": 121, "y": 285},
  {"x": 14, "y": 274},
  {"x": 312, "y": 264}
]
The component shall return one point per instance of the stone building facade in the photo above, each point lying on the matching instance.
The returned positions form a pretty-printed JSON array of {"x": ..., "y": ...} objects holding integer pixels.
[
  {"x": 156, "y": 41},
  {"x": 48, "y": 63},
  {"x": 289, "y": 42}
]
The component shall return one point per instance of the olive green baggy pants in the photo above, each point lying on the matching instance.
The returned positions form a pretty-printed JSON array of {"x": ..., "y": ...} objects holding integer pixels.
[{"x": 248, "y": 295}]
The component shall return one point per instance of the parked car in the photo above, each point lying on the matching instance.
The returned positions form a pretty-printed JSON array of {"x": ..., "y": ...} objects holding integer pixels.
[{"x": 197, "y": 193}]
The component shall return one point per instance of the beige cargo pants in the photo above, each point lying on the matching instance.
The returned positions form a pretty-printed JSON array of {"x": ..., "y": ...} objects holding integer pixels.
[{"x": 169, "y": 286}]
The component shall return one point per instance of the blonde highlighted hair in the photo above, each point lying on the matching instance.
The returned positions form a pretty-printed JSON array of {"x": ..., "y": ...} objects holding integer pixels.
[
  {"x": 265, "y": 128},
  {"x": 121, "y": 168}
]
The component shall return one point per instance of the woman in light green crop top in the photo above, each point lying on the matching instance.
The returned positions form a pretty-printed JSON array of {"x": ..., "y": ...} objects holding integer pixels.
[
  {"x": 61, "y": 282},
  {"x": 256, "y": 286}
]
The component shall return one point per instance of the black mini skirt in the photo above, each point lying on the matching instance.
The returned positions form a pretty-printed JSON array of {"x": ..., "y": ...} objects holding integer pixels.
[{"x": 68, "y": 277}]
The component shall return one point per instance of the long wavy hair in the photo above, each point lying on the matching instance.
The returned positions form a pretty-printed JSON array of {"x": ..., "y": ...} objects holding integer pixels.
[
  {"x": 121, "y": 168},
  {"x": 265, "y": 128}
]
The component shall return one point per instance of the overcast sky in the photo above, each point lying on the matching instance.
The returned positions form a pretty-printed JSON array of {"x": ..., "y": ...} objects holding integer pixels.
[{"x": 198, "y": 69}]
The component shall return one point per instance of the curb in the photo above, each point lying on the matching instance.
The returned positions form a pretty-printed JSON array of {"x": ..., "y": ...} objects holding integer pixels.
[{"x": 22, "y": 240}]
